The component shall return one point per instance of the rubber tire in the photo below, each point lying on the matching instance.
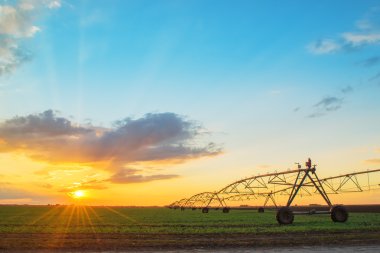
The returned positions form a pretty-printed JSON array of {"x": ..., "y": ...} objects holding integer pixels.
[
  {"x": 226, "y": 210},
  {"x": 260, "y": 210},
  {"x": 285, "y": 216},
  {"x": 205, "y": 210},
  {"x": 339, "y": 214}
]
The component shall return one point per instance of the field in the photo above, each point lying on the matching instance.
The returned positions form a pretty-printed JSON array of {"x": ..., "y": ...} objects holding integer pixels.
[{"x": 112, "y": 228}]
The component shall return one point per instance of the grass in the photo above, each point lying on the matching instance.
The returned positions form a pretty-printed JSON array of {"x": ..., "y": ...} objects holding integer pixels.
[{"x": 103, "y": 220}]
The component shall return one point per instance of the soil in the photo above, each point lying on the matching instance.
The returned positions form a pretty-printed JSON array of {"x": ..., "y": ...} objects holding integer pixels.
[{"x": 125, "y": 242}]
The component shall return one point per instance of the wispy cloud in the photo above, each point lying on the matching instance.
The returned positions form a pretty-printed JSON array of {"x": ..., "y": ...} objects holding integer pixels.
[
  {"x": 371, "y": 61},
  {"x": 323, "y": 46},
  {"x": 263, "y": 166},
  {"x": 17, "y": 25},
  {"x": 11, "y": 55},
  {"x": 85, "y": 185},
  {"x": 346, "y": 41},
  {"x": 54, "y": 4},
  {"x": 375, "y": 77},
  {"x": 330, "y": 103},
  {"x": 360, "y": 39},
  {"x": 316, "y": 115},
  {"x": 347, "y": 89},
  {"x": 326, "y": 105},
  {"x": 373, "y": 161},
  {"x": 10, "y": 193},
  {"x": 156, "y": 137},
  {"x": 127, "y": 175},
  {"x": 364, "y": 34},
  {"x": 363, "y": 24}
]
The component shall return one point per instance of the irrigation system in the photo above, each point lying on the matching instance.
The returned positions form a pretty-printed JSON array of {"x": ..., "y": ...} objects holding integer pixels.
[{"x": 302, "y": 181}]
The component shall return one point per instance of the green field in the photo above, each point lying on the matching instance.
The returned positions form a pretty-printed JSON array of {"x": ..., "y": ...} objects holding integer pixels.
[
  {"x": 107, "y": 228},
  {"x": 78, "y": 219}
]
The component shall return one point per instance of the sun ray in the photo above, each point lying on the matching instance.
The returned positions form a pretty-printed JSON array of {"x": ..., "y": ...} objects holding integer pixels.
[
  {"x": 95, "y": 214},
  {"x": 57, "y": 234},
  {"x": 92, "y": 225},
  {"x": 44, "y": 215},
  {"x": 122, "y": 215}
]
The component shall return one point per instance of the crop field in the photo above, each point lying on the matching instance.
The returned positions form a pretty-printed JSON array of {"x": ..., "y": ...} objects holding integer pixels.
[{"x": 84, "y": 227}]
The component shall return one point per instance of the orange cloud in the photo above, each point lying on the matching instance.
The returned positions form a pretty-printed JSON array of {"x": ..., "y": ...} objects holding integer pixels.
[
  {"x": 133, "y": 176},
  {"x": 158, "y": 137},
  {"x": 375, "y": 161}
]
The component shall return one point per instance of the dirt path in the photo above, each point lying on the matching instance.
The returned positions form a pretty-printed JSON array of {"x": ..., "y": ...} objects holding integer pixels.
[{"x": 91, "y": 242}]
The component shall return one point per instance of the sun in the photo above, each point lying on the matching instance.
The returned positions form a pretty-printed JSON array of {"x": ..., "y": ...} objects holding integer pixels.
[{"x": 78, "y": 194}]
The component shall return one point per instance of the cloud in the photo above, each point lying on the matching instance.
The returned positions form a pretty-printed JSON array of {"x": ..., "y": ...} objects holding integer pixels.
[
  {"x": 373, "y": 161},
  {"x": 347, "y": 89},
  {"x": 11, "y": 56},
  {"x": 363, "y": 24},
  {"x": 263, "y": 166},
  {"x": 360, "y": 39},
  {"x": 330, "y": 103},
  {"x": 12, "y": 194},
  {"x": 347, "y": 41},
  {"x": 16, "y": 22},
  {"x": 17, "y": 25},
  {"x": 366, "y": 33},
  {"x": 326, "y": 105},
  {"x": 54, "y": 4},
  {"x": 156, "y": 137},
  {"x": 39, "y": 4},
  {"x": 42, "y": 125},
  {"x": 375, "y": 77},
  {"x": 369, "y": 62},
  {"x": 323, "y": 46},
  {"x": 127, "y": 175},
  {"x": 316, "y": 115},
  {"x": 85, "y": 185}
]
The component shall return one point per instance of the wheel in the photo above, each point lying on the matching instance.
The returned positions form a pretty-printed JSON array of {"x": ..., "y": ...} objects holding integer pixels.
[
  {"x": 339, "y": 214},
  {"x": 285, "y": 216},
  {"x": 205, "y": 210},
  {"x": 226, "y": 210},
  {"x": 260, "y": 210}
]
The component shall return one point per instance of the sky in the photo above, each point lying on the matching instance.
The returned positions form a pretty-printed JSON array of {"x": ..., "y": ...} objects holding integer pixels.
[{"x": 147, "y": 102}]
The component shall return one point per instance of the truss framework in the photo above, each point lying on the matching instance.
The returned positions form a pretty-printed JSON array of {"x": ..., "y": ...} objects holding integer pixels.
[{"x": 301, "y": 181}]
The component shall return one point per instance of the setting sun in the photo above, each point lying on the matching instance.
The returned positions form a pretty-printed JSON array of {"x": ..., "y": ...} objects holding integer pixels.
[{"x": 78, "y": 194}]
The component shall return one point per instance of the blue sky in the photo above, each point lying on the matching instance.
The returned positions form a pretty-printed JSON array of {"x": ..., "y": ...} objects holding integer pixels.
[
  {"x": 148, "y": 56},
  {"x": 271, "y": 81}
]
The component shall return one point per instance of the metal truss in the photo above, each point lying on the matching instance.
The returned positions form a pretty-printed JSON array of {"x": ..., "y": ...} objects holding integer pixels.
[
  {"x": 290, "y": 183},
  {"x": 353, "y": 182}
]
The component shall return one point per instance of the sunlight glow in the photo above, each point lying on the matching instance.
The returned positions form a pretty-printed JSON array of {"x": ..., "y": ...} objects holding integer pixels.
[{"x": 78, "y": 194}]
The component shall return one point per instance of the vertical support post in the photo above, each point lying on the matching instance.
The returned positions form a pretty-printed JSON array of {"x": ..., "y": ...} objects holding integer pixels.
[
  {"x": 296, "y": 188},
  {"x": 294, "y": 185},
  {"x": 320, "y": 188}
]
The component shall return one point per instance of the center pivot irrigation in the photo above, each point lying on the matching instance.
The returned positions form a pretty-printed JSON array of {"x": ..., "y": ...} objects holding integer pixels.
[{"x": 301, "y": 182}]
